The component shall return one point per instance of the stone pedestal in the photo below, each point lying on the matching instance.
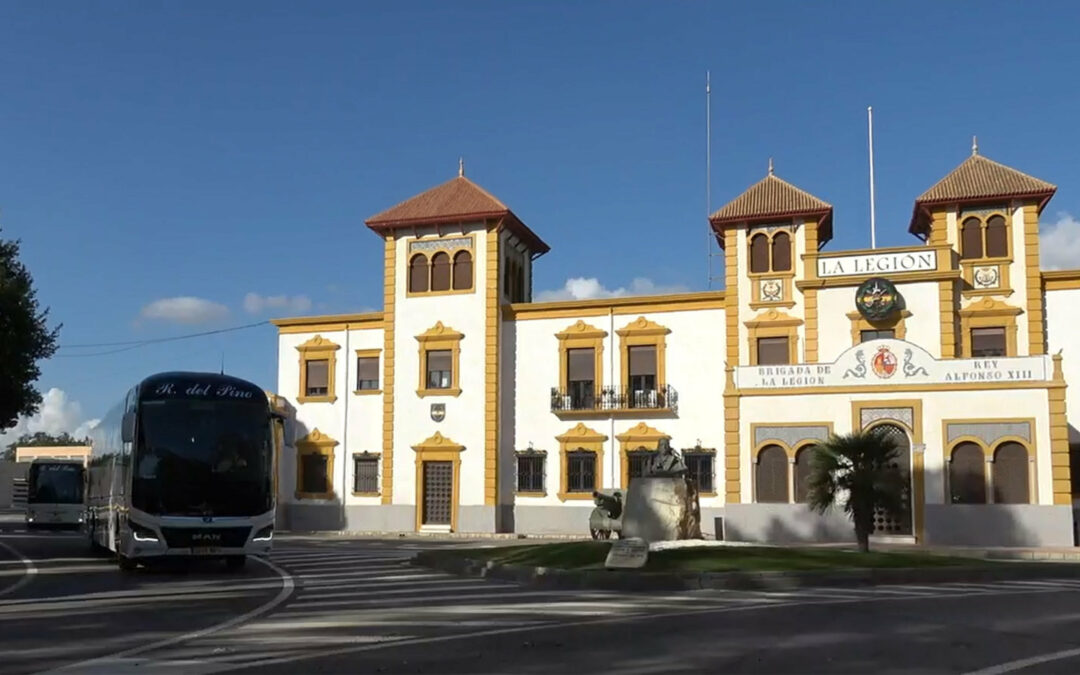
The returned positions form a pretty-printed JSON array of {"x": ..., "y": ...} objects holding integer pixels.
[{"x": 661, "y": 509}]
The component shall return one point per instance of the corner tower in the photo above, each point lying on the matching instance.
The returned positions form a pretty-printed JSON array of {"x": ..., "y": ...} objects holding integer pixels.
[
  {"x": 988, "y": 214},
  {"x": 453, "y": 255}
]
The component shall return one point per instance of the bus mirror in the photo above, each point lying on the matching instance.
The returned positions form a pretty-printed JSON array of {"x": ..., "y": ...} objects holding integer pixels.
[{"x": 127, "y": 428}]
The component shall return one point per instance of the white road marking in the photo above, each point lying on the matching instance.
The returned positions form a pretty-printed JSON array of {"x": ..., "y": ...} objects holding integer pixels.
[
  {"x": 31, "y": 570},
  {"x": 112, "y": 662},
  {"x": 1022, "y": 664}
]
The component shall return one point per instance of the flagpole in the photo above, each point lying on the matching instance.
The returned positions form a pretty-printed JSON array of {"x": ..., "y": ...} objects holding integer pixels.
[{"x": 873, "y": 225}]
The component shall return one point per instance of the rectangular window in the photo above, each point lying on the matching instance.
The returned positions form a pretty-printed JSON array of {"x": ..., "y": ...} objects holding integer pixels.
[
  {"x": 439, "y": 369},
  {"x": 581, "y": 377},
  {"x": 530, "y": 473},
  {"x": 773, "y": 351},
  {"x": 635, "y": 463},
  {"x": 314, "y": 471},
  {"x": 367, "y": 373},
  {"x": 987, "y": 342},
  {"x": 580, "y": 471},
  {"x": 868, "y": 335},
  {"x": 366, "y": 473},
  {"x": 318, "y": 377},
  {"x": 642, "y": 368},
  {"x": 700, "y": 468}
]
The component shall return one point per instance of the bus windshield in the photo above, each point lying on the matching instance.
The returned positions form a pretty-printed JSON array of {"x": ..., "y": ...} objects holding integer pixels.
[
  {"x": 203, "y": 458},
  {"x": 55, "y": 483}
]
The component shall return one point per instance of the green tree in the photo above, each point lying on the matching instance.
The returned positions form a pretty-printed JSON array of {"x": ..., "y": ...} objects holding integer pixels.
[
  {"x": 25, "y": 338},
  {"x": 855, "y": 472}
]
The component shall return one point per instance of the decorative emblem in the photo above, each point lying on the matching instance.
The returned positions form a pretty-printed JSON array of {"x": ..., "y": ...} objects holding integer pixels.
[
  {"x": 859, "y": 371},
  {"x": 986, "y": 277},
  {"x": 910, "y": 369},
  {"x": 884, "y": 363},
  {"x": 772, "y": 290},
  {"x": 438, "y": 412},
  {"x": 877, "y": 299}
]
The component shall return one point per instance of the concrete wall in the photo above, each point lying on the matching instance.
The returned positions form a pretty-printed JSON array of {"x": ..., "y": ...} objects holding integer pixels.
[
  {"x": 9, "y": 471},
  {"x": 999, "y": 525},
  {"x": 784, "y": 524}
]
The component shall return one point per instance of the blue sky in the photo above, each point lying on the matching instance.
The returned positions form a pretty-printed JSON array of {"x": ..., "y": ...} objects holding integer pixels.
[{"x": 159, "y": 150}]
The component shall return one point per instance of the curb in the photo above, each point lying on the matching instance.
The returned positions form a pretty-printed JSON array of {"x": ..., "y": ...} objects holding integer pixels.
[{"x": 615, "y": 580}]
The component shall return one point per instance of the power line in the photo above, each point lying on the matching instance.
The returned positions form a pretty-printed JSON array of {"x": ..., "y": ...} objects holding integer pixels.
[{"x": 135, "y": 344}]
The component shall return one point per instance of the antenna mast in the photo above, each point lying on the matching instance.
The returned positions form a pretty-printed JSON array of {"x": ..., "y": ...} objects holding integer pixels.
[{"x": 873, "y": 225}]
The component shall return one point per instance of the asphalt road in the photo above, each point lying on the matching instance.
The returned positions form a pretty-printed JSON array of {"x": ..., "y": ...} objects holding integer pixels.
[{"x": 329, "y": 605}]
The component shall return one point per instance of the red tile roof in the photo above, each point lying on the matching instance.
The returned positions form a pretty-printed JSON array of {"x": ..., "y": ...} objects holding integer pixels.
[
  {"x": 772, "y": 197},
  {"x": 454, "y": 201},
  {"x": 978, "y": 178}
]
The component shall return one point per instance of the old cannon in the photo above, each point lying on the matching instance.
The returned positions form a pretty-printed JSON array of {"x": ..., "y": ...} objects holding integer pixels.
[{"x": 606, "y": 517}]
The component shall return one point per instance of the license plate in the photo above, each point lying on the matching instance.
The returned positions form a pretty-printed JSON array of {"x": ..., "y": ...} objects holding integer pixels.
[{"x": 204, "y": 550}]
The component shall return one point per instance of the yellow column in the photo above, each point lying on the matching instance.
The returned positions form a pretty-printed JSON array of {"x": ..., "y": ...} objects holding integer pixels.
[
  {"x": 732, "y": 455},
  {"x": 389, "y": 288},
  {"x": 1059, "y": 437},
  {"x": 1036, "y": 334},
  {"x": 491, "y": 371}
]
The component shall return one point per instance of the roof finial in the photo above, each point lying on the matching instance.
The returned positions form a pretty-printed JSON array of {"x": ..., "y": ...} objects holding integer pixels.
[
  {"x": 974, "y": 145},
  {"x": 460, "y": 167},
  {"x": 770, "y": 166}
]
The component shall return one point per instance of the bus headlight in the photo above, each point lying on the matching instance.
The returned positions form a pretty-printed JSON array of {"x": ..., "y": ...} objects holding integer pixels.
[
  {"x": 142, "y": 533},
  {"x": 265, "y": 534}
]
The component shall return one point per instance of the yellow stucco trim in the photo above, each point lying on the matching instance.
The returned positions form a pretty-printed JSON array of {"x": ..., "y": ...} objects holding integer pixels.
[
  {"x": 318, "y": 348},
  {"x": 643, "y": 332},
  {"x": 918, "y": 461},
  {"x": 315, "y": 443},
  {"x": 638, "y": 437},
  {"x": 732, "y": 476},
  {"x": 492, "y": 324},
  {"x": 1036, "y": 310},
  {"x": 989, "y": 451},
  {"x": 367, "y": 354},
  {"x": 581, "y": 336},
  {"x": 328, "y": 323},
  {"x": 939, "y": 238},
  {"x": 438, "y": 448},
  {"x": 859, "y": 323},
  {"x": 389, "y": 290},
  {"x": 580, "y": 437},
  {"x": 598, "y": 307},
  {"x": 438, "y": 338},
  {"x": 1059, "y": 437},
  {"x": 791, "y": 450},
  {"x": 1061, "y": 280},
  {"x": 810, "y": 296},
  {"x": 967, "y": 273},
  {"x": 989, "y": 313},
  {"x": 429, "y": 254},
  {"x": 774, "y": 323}
]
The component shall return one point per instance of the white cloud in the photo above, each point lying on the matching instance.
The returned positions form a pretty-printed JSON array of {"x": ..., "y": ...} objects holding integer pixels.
[
  {"x": 185, "y": 310},
  {"x": 256, "y": 304},
  {"x": 582, "y": 288},
  {"x": 56, "y": 415},
  {"x": 1059, "y": 244}
]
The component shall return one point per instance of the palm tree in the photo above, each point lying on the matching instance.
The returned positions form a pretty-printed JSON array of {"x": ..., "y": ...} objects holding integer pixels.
[{"x": 855, "y": 471}]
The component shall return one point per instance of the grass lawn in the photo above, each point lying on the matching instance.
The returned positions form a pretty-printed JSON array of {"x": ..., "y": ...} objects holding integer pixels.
[{"x": 591, "y": 555}]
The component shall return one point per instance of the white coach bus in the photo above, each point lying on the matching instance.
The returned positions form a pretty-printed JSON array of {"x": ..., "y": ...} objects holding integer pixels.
[
  {"x": 55, "y": 493},
  {"x": 184, "y": 466}
]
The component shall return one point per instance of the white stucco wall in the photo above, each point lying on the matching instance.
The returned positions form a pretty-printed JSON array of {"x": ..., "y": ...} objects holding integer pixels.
[
  {"x": 936, "y": 408},
  {"x": 694, "y": 368},
  {"x": 1063, "y": 334},
  {"x": 1018, "y": 279},
  {"x": 464, "y": 422},
  {"x": 834, "y": 327}
]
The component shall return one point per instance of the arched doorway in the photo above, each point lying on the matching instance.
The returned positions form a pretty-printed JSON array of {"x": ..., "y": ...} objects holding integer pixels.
[{"x": 898, "y": 523}]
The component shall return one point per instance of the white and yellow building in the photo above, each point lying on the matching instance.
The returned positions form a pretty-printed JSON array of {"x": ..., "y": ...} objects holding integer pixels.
[{"x": 465, "y": 406}]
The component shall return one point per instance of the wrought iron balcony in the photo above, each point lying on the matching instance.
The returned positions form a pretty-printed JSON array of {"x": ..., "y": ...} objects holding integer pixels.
[{"x": 613, "y": 399}]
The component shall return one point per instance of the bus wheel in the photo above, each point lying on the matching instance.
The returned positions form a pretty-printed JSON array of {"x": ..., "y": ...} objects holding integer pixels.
[
  {"x": 236, "y": 562},
  {"x": 126, "y": 564}
]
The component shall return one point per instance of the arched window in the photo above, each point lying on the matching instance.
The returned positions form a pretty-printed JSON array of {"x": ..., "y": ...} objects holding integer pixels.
[
  {"x": 804, "y": 460},
  {"x": 418, "y": 273},
  {"x": 971, "y": 239},
  {"x": 440, "y": 271},
  {"x": 462, "y": 270},
  {"x": 967, "y": 475},
  {"x": 781, "y": 252},
  {"x": 759, "y": 253},
  {"x": 1010, "y": 476},
  {"x": 997, "y": 242},
  {"x": 772, "y": 475},
  {"x": 898, "y": 522}
]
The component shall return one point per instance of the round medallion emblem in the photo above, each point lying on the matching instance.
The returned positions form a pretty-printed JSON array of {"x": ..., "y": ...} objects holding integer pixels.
[
  {"x": 877, "y": 299},
  {"x": 884, "y": 363}
]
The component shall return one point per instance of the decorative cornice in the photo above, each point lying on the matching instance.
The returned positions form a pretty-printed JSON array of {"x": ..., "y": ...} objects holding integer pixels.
[
  {"x": 642, "y": 326},
  {"x": 641, "y": 432},
  {"x": 580, "y": 329},
  {"x": 318, "y": 342},
  {"x": 581, "y": 433}
]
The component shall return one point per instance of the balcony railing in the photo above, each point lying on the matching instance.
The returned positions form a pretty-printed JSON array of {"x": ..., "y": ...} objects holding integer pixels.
[{"x": 614, "y": 399}]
